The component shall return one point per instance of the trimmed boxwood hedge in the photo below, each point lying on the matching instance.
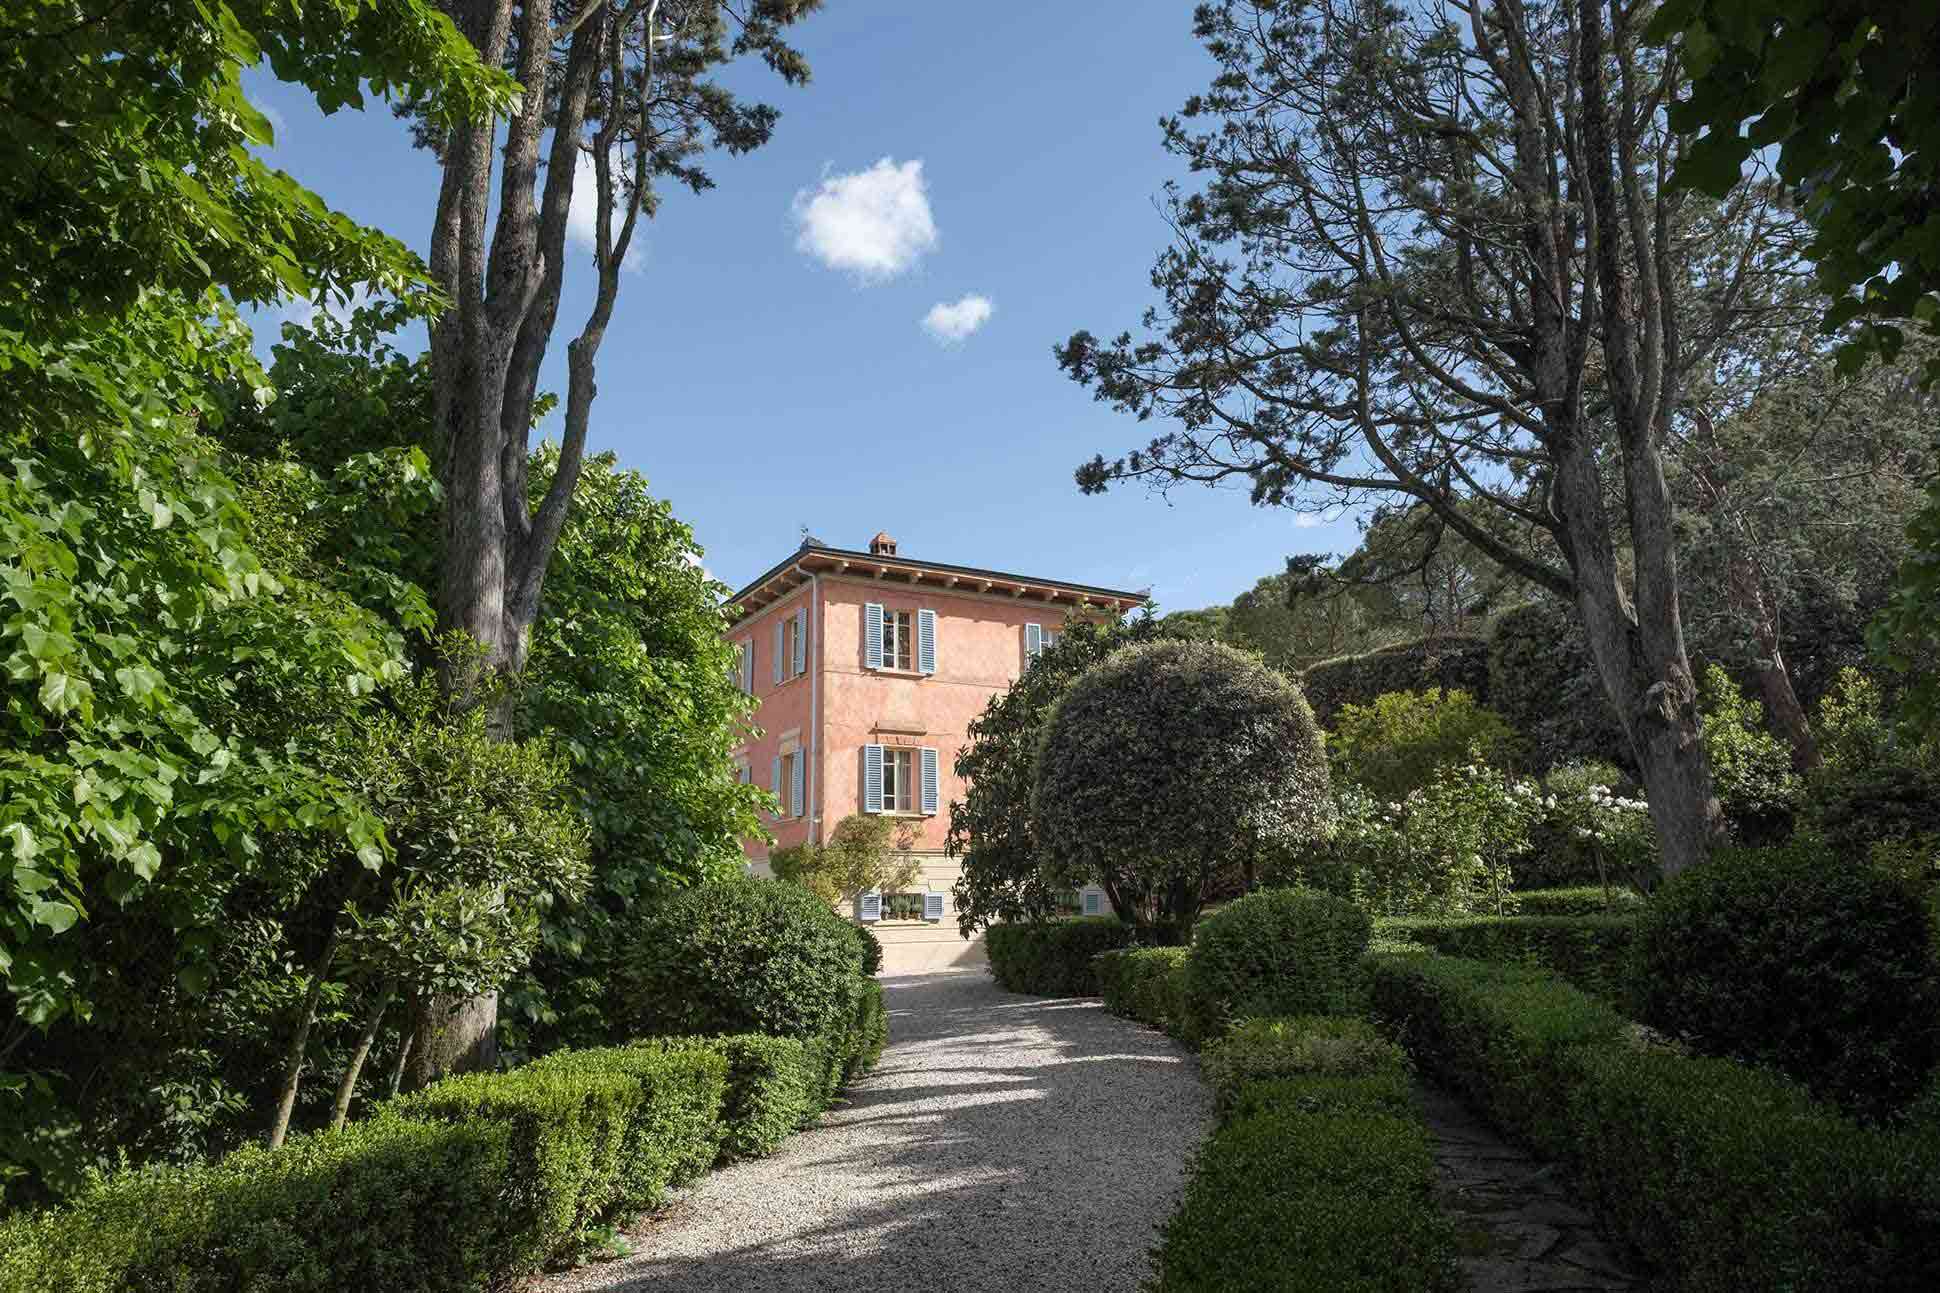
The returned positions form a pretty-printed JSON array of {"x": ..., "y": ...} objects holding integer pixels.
[
  {"x": 1052, "y": 958},
  {"x": 1592, "y": 952},
  {"x": 385, "y": 1204},
  {"x": 1267, "y": 1049},
  {"x": 1275, "y": 952},
  {"x": 1578, "y": 900},
  {"x": 1721, "y": 1176},
  {"x": 1340, "y": 1201},
  {"x": 1146, "y": 984},
  {"x": 1449, "y": 661},
  {"x": 673, "y": 1131}
]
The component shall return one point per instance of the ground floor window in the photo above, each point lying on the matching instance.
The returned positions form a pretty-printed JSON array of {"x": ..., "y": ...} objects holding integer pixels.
[{"x": 902, "y": 906}]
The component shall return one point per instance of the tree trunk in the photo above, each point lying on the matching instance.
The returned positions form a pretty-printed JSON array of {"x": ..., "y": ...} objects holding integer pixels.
[
  {"x": 406, "y": 1039},
  {"x": 1748, "y": 600},
  {"x": 348, "y": 1087},
  {"x": 453, "y": 1035},
  {"x": 279, "y": 1126}
]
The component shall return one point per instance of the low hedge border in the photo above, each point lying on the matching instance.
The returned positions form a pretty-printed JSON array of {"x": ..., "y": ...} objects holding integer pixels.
[
  {"x": 465, "y": 1185},
  {"x": 1591, "y": 952},
  {"x": 1720, "y": 1176},
  {"x": 1052, "y": 958},
  {"x": 1320, "y": 1178},
  {"x": 1146, "y": 984},
  {"x": 1577, "y": 900}
]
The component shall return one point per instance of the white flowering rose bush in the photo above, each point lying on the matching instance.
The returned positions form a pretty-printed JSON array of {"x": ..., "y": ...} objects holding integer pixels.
[{"x": 1591, "y": 832}]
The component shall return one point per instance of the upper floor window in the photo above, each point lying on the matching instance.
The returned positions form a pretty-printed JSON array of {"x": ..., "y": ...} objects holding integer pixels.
[
  {"x": 1037, "y": 640},
  {"x": 898, "y": 641},
  {"x": 791, "y": 646}
]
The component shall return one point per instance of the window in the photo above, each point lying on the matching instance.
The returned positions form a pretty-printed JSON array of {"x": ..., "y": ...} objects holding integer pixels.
[
  {"x": 896, "y": 640},
  {"x": 793, "y": 768},
  {"x": 897, "y": 790},
  {"x": 1038, "y": 640},
  {"x": 1065, "y": 903},
  {"x": 902, "y": 906}
]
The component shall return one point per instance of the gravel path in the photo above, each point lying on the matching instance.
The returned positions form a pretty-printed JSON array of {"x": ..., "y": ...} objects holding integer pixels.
[{"x": 1005, "y": 1143}]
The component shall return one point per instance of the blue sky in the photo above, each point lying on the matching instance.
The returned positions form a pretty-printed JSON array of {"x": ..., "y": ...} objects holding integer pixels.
[{"x": 769, "y": 367}]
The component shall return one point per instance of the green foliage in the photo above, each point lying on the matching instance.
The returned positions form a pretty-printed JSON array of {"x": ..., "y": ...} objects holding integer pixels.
[
  {"x": 737, "y": 955},
  {"x": 1589, "y": 831},
  {"x": 569, "y": 1127},
  {"x": 1799, "y": 958},
  {"x": 1446, "y": 661},
  {"x": 865, "y": 851},
  {"x": 1581, "y": 900},
  {"x": 1544, "y": 683},
  {"x": 387, "y": 1204},
  {"x": 1728, "y": 1178},
  {"x": 1750, "y": 768},
  {"x": 1877, "y": 783},
  {"x": 1388, "y": 1091},
  {"x": 1269, "y": 1048},
  {"x": 772, "y": 1088},
  {"x": 871, "y": 949},
  {"x": 1397, "y": 743},
  {"x": 1508, "y": 1038},
  {"x": 674, "y": 1130},
  {"x": 1146, "y": 984},
  {"x": 868, "y": 1031},
  {"x": 1591, "y": 952},
  {"x": 1722, "y": 1177},
  {"x": 1169, "y": 763},
  {"x": 1906, "y": 633},
  {"x": 1275, "y": 952},
  {"x": 1844, "y": 92},
  {"x": 1448, "y": 849},
  {"x": 1337, "y": 1199},
  {"x": 1053, "y": 958},
  {"x": 991, "y": 829}
]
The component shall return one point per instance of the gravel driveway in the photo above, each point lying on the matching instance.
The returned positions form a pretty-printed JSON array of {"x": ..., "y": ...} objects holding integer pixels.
[{"x": 1005, "y": 1143}]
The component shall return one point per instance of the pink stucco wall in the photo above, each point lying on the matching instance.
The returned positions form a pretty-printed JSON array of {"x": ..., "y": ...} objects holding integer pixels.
[{"x": 979, "y": 652}]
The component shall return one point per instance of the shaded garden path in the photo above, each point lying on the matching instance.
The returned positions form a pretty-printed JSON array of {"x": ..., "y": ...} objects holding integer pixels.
[
  {"x": 1520, "y": 1233},
  {"x": 1005, "y": 1143}
]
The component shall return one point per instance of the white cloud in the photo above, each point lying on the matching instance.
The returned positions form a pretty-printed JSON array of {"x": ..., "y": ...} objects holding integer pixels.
[
  {"x": 875, "y": 223},
  {"x": 303, "y": 311},
  {"x": 1309, "y": 521},
  {"x": 582, "y": 218},
  {"x": 950, "y": 323}
]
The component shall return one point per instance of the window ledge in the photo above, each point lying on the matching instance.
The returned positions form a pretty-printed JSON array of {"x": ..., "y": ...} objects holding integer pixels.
[{"x": 898, "y": 673}]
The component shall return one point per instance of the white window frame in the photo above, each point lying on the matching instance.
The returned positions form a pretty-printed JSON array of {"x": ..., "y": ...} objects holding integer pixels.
[
  {"x": 898, "y": 774},
  {"x": 898, "y": 639}
]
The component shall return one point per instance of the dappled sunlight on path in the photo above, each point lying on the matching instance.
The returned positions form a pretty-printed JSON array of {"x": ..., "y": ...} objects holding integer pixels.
[{"x": 1005, "y": 1143}]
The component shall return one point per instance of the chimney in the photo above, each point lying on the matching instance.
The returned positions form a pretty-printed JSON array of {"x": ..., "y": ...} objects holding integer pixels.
[{"x": 882, "y": 545}]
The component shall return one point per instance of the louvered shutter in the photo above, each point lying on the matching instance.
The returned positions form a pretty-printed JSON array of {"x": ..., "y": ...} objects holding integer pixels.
[
  {"x": 929, "y": 781},
  {"x": 795, "y": 784},
  {"x": 932, "y": 906},
  {"x": 801, "y": 640},
  {"x": 747, "y": 666},
  {"x": 872, "y": 778},
  {"x": 872, "y": 635},
  {"x": 869, "y": 907},
  {"x": 1033, "y": 641},
  {"x": 1094, "y": 902},
  {"x": 926, "y": 641},
  {"x": 778, "y": 649},
  {"x": 775, "y": 785}
]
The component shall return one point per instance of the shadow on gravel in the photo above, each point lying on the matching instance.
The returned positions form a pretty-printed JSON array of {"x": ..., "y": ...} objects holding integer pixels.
[{"x": 1005, "y": 1143}]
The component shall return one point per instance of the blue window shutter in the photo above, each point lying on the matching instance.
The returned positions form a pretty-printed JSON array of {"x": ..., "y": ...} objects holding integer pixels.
[
  {"x": 1033, "y": 641},
  {"x": 1094, "y": 902},
  {"x": 775, "y": 785},
  {"x": 926, "y": 641},
  {"x": 872, "y": 778},
  {"x": 746, "y": 669},
  {"x": 872, "y": 634},
  {"x": 932, "y": 906},
  {"x": 779, "y": 675},
  {"x": 869, "y": 907},
  {"x": 929, "y": 781},
  {"x": 795, "y": 784},
  {"x": 801, "y": 640}
]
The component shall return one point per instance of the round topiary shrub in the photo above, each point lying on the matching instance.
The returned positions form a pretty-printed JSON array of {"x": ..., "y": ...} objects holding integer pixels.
[
  {"x": 738, "y": 956},
  {"x": 1276, "y": 952},
  {"x": 1167, "y": 762},
  {"x": 1795, "y": 957},
  {"x": 871, "y": 948}
]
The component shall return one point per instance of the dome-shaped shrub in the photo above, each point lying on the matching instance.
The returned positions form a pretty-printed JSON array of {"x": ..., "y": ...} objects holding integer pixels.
[
  {"x": 1796, "y": 957},
  {"x": 1168, "y": 761},
  {"x": 1276, "y": 952},
  {"x": 738, "y": 956}
]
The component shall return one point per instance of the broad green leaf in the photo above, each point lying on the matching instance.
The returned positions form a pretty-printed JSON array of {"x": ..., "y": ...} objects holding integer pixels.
[{"x": 57, "y": 916}]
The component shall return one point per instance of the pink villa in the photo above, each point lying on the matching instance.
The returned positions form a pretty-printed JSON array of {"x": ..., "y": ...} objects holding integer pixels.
[{"x": 869, "y": 667}]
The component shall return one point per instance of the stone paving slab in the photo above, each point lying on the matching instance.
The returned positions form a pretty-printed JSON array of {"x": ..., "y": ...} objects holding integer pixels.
[{"x": 1519, "y": 1231}]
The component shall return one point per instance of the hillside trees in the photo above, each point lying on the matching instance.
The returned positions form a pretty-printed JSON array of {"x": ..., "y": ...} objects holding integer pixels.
[
  {"x": 1437, "y": 260},
  {"x": 627, "y": 85}
]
